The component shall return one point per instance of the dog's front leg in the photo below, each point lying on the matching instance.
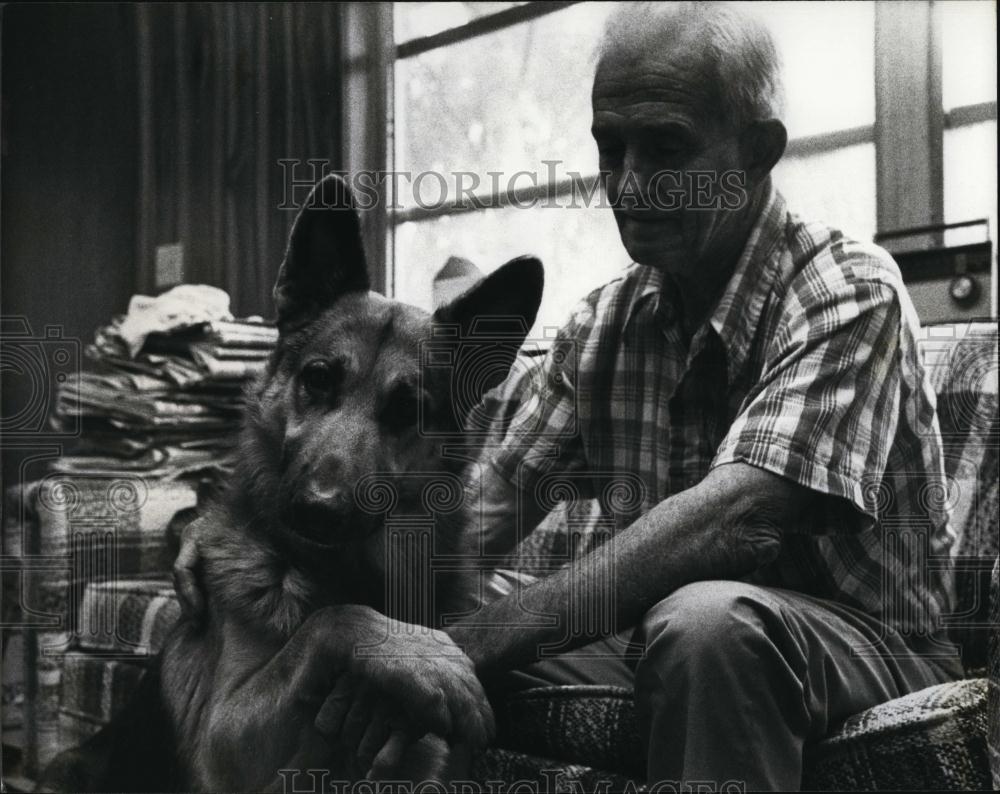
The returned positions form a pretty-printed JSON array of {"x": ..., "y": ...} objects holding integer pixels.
[{"x": 266, "y": 699}]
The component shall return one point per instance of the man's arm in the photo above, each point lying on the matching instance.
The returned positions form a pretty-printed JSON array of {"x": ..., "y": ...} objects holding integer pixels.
[
  {"x": 832, "y": 382},
  {"x": 723, "y": 528}
]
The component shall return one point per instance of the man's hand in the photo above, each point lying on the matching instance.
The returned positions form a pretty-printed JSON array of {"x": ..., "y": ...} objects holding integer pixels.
[
  {"x": 371, "y": 733},
  {"x": 186, "y": 568},
  {"x": 402, "y": 682}
]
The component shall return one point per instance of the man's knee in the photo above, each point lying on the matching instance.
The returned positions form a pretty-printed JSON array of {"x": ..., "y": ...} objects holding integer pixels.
[{"x": 707, "y": 618}]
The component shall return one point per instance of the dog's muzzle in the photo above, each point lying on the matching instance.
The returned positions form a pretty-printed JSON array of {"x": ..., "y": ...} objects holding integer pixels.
[{"x": 326, "y": 518}]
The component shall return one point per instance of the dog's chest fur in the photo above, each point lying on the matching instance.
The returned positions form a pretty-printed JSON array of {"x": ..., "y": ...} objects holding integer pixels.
[{"x": 254, "y": 581}]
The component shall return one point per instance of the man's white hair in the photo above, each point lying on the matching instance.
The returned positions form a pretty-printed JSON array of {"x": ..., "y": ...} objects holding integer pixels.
[{"x": 737, "y": 46}]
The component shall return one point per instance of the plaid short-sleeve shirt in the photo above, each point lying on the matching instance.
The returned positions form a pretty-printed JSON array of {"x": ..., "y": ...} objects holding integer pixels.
[{"x": 807, "y": 367}]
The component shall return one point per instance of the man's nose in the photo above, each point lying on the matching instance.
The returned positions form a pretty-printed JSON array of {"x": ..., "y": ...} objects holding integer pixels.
[
  {"x": 631, "y": 162},
  {"x": 632, "y": 182}
]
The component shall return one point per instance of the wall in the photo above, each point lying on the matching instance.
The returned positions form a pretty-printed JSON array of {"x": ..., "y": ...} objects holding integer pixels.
[
  {"x": 130, "y": 126},
  {"x": 225, "y": 92},
  {"x": 68, "y": 178}
]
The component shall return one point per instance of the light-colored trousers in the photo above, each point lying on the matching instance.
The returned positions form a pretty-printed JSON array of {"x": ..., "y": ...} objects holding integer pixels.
[{"x": 732, "y": 680}]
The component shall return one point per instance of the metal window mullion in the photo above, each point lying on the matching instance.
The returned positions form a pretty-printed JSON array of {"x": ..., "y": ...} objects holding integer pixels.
[
  {"x": 489, "y": 201},
  {"x": 970, "y": 114},
  {"x": 490, "y": 23},
  {"x": 809, "y": 145},
  {"x": 366, "y": 105}
]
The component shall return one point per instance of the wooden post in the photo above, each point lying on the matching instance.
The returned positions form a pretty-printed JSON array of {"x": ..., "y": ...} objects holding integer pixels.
[
  {"x": 368, "y": 54},
  {"x": 908, "y": 108}
]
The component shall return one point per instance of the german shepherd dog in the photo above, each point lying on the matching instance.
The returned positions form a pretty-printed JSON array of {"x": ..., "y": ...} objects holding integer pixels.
[{"x": 317, "y": 564}]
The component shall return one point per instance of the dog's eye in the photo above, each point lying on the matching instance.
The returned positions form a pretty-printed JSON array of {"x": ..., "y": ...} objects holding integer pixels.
[
  {"x": 401, "y": 410},
  {"x": 319, "y": 377}
]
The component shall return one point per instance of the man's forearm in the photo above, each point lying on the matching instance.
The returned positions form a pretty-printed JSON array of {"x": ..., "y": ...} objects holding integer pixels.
[{"x": 705, "y": 532}]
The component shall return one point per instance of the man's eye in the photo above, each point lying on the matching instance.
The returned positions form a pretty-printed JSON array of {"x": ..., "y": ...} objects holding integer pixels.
[
  {"x": 319, "y": 377},
  {"x": 666, "y": 148},
  {"x": 674, "y": 147}
]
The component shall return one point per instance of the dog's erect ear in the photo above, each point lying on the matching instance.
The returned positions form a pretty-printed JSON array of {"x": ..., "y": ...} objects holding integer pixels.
[
  {"x": 496, "y": 313},
  {"x": 507, "y": 298},
  {"x": 325, "y": 258}
]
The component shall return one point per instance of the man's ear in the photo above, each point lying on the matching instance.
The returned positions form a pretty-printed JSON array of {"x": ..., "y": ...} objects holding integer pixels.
[
  {"x": 324, "y": 258},
  {"x": 493, "y": 319},
  {"x": 763, "y": 143}
]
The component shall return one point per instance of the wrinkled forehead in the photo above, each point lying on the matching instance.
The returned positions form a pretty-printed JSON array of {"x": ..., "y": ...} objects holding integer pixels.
[
  {"x": 363, "y": 327},
  {"x": 659, "y": 32},
  {"x": 655, "y": 70}
]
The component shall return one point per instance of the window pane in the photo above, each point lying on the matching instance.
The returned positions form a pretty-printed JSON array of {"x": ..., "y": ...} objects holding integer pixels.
[
  {"x": 970, "y": 176},
  {"x": 828, "y": 54},
  {"x": 507, "y": 101},
  {"x": 969, "y": 52},
  {"x": 580, "y": 249},
  {"x": 416, "y": 20},
  {"x": 501, "y": 102},
  {"x": 837, "y": 188}
]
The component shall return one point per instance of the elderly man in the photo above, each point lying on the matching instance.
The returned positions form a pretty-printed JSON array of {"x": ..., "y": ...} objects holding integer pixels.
[
  {"x": 759, "y": 375},
  {"x": 756, "y": 379}
]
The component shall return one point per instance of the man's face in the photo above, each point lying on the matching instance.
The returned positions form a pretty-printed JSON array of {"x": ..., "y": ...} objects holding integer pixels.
[{"x": 656, "y": 124}]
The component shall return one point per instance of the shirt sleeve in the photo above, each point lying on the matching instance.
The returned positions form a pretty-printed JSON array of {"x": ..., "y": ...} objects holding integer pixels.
[
  {"x": 825, "y": 411},
  {"x": 533, "y": 429},
  {"x": 536, "y": 426}
]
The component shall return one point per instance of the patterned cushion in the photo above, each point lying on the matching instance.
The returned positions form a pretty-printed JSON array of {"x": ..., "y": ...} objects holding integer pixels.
[
  {"x": 993, "y": 707},
  {"x": 595, "y": 724},
  {"x": 129, "y": 617},
  {"x": 961, "y": 360},
  {"x": 935, "y": 738},
  {"x": 548, "y": 775},
  {"x": 97, "y": 688},
  {"x": 94, "y": 689},
  {"x": 932, "y": 739},
  {"x": 74, "y": 508}
]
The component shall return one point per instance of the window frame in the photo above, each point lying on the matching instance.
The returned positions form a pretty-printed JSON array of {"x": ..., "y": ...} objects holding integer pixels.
[{"x": 903, "y": 133}]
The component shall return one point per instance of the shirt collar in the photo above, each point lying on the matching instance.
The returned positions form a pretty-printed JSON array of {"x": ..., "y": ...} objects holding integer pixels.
[
  {"x": 737, "y": 313},
  {"x": 648, "y": 283}
]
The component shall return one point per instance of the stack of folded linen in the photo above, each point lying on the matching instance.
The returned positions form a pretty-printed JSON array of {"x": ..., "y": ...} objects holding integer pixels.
[{"x": 164, "y": 395}]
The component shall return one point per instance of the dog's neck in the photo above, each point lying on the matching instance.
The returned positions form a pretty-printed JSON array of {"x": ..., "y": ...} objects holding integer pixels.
[
  {"x": 255, "y": 576},
  {"x": 260, "y": 580}
]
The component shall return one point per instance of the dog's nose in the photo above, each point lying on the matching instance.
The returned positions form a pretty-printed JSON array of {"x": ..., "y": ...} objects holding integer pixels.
[
  {"x": 321, "y": 513},
  {"x": 332, "y": 499}
]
